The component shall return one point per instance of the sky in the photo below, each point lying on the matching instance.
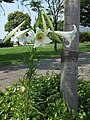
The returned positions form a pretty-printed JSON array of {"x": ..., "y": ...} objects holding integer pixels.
[{"x": 10, "y": 8}]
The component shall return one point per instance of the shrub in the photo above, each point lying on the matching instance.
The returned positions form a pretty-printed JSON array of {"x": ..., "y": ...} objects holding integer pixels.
[
  {"x": 84, "y": 37},
  {"x": 42, "y": 100},
  {"x": 84, "y": 98},
  {"x": 6, "y": 44}
]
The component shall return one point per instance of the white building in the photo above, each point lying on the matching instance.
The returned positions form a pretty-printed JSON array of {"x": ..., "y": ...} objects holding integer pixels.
[
  {"x": 84, "y": 29},
  {"x": 0, "y": 40}
]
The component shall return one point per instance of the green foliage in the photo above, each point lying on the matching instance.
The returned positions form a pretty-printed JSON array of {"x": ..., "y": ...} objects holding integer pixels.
[
  {"x": 84, "y": 99},
  {"x": 36, "y": 5},
  {"x": 15, "y": 19},
  {"x": 41, "y": 99},
  {"x": 84, "y": 37},
  {"x": 85, "y": 12},
  {"x": 60, "y": 25},
  {"x": 11, "y": 107},
  {"x": 84, "y": 47},
  {"x": 6, "y": 45}
]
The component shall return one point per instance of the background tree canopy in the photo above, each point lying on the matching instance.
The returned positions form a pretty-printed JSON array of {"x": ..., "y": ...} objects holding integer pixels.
[
  {"x": 14, "y": 19},
  {"x": 85, "y": 13},
  {"x": 9, "y": 1},
  {"x": 84, "y": 9}
]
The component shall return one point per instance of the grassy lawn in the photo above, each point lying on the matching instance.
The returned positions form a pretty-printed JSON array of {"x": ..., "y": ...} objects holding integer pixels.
[
  {"x": 16, "y": 55},
  {"x": 84, "y": 47}
]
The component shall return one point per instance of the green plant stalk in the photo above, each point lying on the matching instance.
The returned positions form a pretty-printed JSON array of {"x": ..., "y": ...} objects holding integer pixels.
[
  {"x": 26, "y": 102},
  {"x": 31, "y": 70},
  {"x": 28, "y": 79}
]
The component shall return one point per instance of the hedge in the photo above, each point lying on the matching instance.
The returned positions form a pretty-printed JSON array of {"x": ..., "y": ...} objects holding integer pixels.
[
  {"x": 84, "y": 37},
  {"x": 6, "y": 45}
]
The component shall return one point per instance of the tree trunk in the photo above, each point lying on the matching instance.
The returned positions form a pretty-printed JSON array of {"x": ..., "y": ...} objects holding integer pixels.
[
  {"x": 69, "y": 56},
  {"x": 55, "y": 45},
  {"x": 55, "y": 42}
]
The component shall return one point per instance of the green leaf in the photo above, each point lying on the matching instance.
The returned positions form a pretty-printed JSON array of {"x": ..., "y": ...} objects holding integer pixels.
[
  {"x": 12, "y": 32},
  {"x": 44, "y": 23}
]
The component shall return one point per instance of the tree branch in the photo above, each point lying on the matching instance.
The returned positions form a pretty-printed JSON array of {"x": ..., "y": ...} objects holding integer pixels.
[{"x": 50, "y": 7}]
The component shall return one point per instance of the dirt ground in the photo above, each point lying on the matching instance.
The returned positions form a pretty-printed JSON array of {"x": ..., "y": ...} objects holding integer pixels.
[{"x": 10, "y": 74}]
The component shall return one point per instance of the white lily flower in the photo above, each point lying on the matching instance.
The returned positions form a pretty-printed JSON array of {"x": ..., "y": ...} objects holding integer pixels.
[
  {"x": 20, "y": 37},
  {"x": 68, "y": 35},
  {"x": 30, "y": 36},
  {"x": 14, "y": 40},
  {"x": 12, "y": 32},
  {"x": 40, "y": 38}
]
